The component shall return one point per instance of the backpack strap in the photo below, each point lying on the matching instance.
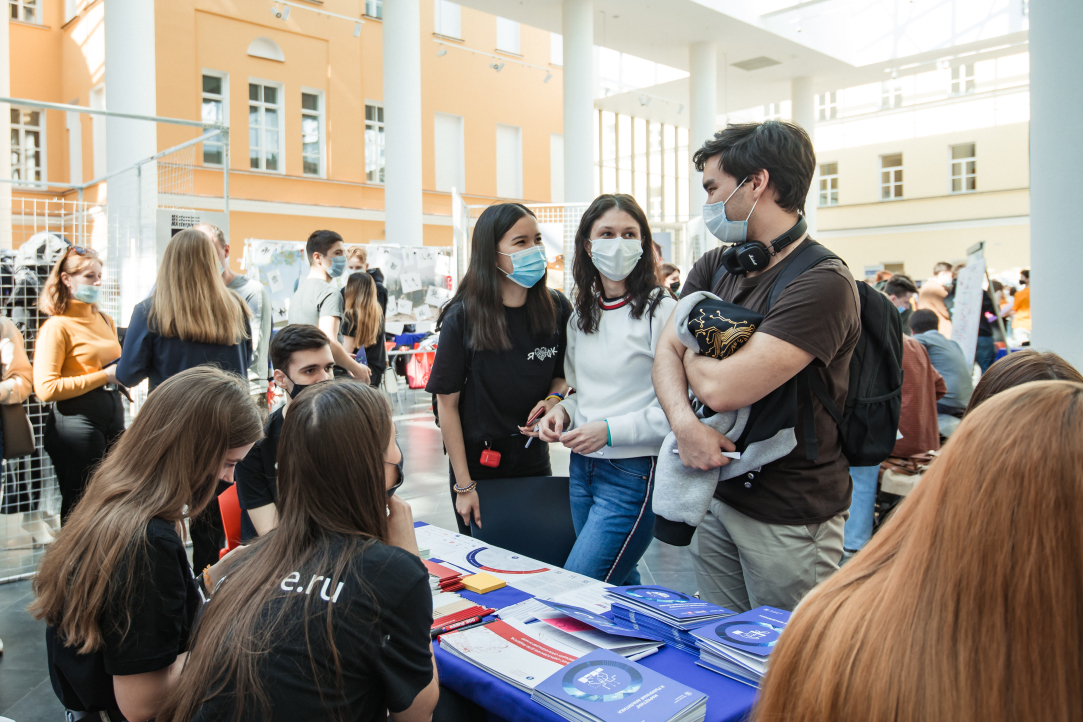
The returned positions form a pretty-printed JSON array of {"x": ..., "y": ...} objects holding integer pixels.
[
  {"x": 809, "y": 255},
  {"x": 718, "y": 274}
]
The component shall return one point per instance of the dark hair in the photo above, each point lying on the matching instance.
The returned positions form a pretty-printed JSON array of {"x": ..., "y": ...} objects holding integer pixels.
[
  {"x": 1019, "y": 368},
  {"x": 1025, "y": 273},
  {"x": 588, "y": 281},
  {"x": 941, "y": 267},
  {"x": 781, "y": 148},
  {"x": 320, "y": 242},
  {"x": 479, "y": 291},
  {"x": 923, "y": 320},
  {"x": 997, "y": 286},
  {"x": 899, "y": 284},
  {"x": 293, "y": 338},
  {"x": 332, "y": 504}
]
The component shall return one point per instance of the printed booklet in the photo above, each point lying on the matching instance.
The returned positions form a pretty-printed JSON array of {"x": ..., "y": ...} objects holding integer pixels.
[
  {"x": 520, "y": 654},
  {"x": 739, "y": 647},
  {"x": 604, "y": 687},
  {"x": 663, "y": 614}
]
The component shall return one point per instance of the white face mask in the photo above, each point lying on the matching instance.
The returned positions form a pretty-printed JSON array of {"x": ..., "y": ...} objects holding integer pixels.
[{"x": 616, "y": 257}]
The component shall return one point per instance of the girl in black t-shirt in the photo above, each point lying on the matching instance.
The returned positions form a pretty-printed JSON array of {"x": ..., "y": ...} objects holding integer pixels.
[
  {"x": 326, "y": 617},
  {"x": 115, "y": 588},
  {"x": 500, "y": 358}
]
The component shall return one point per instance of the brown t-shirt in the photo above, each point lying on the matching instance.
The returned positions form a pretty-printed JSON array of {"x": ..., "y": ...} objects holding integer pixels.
[{"x": 819, "y": 312}]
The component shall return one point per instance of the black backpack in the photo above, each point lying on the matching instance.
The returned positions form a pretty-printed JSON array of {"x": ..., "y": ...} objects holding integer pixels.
[{"x": 870, "y": 422}]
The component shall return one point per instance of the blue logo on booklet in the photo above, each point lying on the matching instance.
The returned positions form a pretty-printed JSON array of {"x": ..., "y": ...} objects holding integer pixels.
[
  {"x": 657, "y": 594},
  {"x": 749, "y": 634},
  {"x": 601, "y": 681}
]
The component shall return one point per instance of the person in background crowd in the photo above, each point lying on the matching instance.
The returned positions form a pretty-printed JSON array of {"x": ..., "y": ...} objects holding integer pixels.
[
  {"x": 1019, "y": 368},
  {"x": 258, "y": 299},
  {"x": 363, "y": 324},
  {"x": 671, "y": 278},
  {"x": 75, "y": 370},
  {"x": 901, "y": 291},
  {"x": 301, "y": 357},
  {"x": 115, "y": 588},
  {"x": 771, "y": 537},
  {"x": 612, "y": 423},
  {"x": 948, "y": 359},
  {"x": 317, "y": 303},
  {"x": 189, "y": 319},
  {"x": 985, "y": 352},
  {"x": 933, "y": 295},
  {"x": 270, "y": 648},
  {"x": 500, "y": 360},
  {"x": 919, "y": 433},
  {"x": 1020, "y": 313},
  {"x": 357, "y": 259},
  {"x": 987, "y": 553},
  {"x": 879, "y": 281},
  {"x": 15, "y": 387}
]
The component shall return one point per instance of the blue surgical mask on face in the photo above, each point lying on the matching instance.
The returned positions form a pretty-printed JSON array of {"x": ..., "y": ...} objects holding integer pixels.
[
  {"x": 338, "y": 266},
  {"x": 86, "y": 293},
  {"x": 527, "y": 267},
  {"x": 724, "y": 229}
]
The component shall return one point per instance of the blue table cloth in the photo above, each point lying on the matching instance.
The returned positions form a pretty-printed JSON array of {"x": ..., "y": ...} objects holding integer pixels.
[{"x": 727, "y": 700}]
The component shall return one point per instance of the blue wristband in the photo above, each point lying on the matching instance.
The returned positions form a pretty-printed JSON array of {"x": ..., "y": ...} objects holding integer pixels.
[{"x": 608, "y": 434}]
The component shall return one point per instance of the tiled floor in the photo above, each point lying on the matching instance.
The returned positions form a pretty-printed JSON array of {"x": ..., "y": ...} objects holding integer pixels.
[{"x": 25, "y": 692}]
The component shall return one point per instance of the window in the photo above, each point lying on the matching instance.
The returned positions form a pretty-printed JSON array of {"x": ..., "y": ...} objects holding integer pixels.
[
  {"x": 27, "y": 133},
  {"x": 213, "y": 111},
  {"x": 25, "y": 10},
  {"x": 507, "y": 35},
  {"x": 964, "y": 173},
  {"x": 509, "y": 161},
  {"x": 962, "y": 79},
  {"x": 556, "y": 49},
  {"x": 829, "y": 184},
  {"x": 264, "y": 127},
  {"x": 97, "y": 127},
  {"x": 450, "y": 158},
  {"x": 374, "y": 143},
  {"x": 448, "y": 18},
  {"x": 891, "y": 176},
  {"x": 312, "y": 133},
  {"x": 374, "y": 8},
  {"x": 827, "y": 105},
  {"x": 772, "y": 111},
  {"x": 891, "y": 94}
]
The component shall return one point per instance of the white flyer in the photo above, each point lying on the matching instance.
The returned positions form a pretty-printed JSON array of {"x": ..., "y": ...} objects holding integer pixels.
[
  {"x": 410, "y": 282},
  {"x": 437, "y": 296},
  {"x": 442, "y": 265},
  {"x": 404, "y": 306}
]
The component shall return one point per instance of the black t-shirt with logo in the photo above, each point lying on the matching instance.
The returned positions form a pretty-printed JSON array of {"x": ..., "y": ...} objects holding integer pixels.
[
  {"x": 162, "y": 605},
  {"x": 499, "y": 388},
  {"x": 381, "y": 611}
]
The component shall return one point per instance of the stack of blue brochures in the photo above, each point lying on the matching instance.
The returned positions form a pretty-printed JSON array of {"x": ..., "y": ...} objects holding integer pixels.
[
  {"x": 739, "y": 646},
  {"x": 605, "y": 687},
  {"x": 663, "y": 613}
]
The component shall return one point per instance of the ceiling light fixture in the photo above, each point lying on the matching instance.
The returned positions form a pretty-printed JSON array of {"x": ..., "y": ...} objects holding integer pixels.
[
  {"x": 497, "y": 66},
  {"x": 357, "y": 30},
  {"x": 680, "y": 109},
  {"x": 548, "y": 77},
  {"x": 441, "y": 52}
]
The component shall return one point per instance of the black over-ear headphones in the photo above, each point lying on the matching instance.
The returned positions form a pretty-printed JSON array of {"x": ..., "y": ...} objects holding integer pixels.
[{"x": 742, "y": 258}]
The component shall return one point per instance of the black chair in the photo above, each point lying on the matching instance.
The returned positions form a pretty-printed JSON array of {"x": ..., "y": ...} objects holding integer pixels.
[{"x": 531, "y": 516}]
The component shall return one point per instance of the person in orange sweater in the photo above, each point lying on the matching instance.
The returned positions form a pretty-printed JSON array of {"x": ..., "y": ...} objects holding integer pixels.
[{"x": 74, "y": 368}]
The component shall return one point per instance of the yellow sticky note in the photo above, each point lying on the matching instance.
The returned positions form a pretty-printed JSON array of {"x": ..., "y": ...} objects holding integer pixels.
[{"x": 481, "y": 583}]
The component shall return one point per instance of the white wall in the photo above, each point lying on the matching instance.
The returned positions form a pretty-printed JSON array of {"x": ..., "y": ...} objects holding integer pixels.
[
  {"x": 450, "y": 156},
  {"x": 556, "y": 168},
  {"x": 509, "y": 161}
]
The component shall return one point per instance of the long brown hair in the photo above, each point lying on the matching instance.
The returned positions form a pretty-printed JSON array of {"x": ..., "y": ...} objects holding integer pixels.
[
  {"x": 966, "y": 605},
  {"x": 168, "y": 459},
  {"x": 332, "y": 503},
  {"x": 55, "y": 298},
  {"x": 1019, "y": 368},
  {"x": 190, "y": 301},
  {"x": 362, "y": 308}
]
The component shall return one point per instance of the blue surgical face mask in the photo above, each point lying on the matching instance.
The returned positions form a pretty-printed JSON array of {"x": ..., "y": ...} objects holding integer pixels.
[
  {"x": 338, "y": 266},
  {"x": 86, "y": 293},
  {"x": 527, "y": 267},
  {"x": 724, "y": 229}
]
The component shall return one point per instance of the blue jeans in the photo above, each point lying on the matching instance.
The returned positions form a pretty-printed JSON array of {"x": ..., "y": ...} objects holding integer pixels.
[
  {"x": 612, "y": 514},
  {"x": 985, "y": 353},
  {"x": 858, "y": 527}
]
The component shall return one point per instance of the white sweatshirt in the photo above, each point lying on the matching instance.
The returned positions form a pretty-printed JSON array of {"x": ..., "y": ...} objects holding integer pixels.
[{"x": 610, "y": 371}]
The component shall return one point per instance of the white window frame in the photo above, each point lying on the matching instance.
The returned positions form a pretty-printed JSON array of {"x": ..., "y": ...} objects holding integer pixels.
[
  {"x": 962, "y": 79},
  {"x": 281, "y": 108},
  {"x": 21, "y": 129},
  {"x": 772, "y": 111},
  {"x": 448, "y": 19},
  {"x": 457, "y": 156},
  {"x": 374, "y": 9},
  {"x": 321, "y": 116},
  {"x": 99, "y": 156},
  {"x": 509, "y": 31},
  {"x": 891, "y": 94},
  {"x": 556, "y": 49},
  {"x": 895, "y": 180},
  {"x": 381, "y": 132},
  {"x": 829, "y": 184},
  {"x": 827, "y": 105},
  {"x": 962, "y": 175},
  {"x": 224, "y": 99},
  {"x": 21, "y": 6},
  {"x": 516, "y": 178}
]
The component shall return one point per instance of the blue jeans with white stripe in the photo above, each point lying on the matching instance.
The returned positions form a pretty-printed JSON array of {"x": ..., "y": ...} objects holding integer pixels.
[{"x": 612, "y": 514}]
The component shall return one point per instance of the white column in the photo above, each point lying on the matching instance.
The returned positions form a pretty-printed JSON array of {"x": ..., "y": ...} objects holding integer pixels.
[
  {"x": 1056, "y": 155},
  {"x": 578, "y": 30},
  {"x": 803, "y": 101},
  {"x": 703, "y": 110},
  {"x": 402, "y": 119},
  {"x": 5, "y": 140}
]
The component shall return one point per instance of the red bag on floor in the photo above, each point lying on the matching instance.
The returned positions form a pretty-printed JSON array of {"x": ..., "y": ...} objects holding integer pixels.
[{"x": 418, "y": 369}]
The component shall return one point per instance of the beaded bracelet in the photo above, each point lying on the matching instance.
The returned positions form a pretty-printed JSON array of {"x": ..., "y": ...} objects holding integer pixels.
[
  {"x": 467, "y": 490},
  {"x": 555, "y": 395}
]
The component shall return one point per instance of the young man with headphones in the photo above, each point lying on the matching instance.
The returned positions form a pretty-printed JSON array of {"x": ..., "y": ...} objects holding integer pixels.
[{"x": 772, "y": 535}]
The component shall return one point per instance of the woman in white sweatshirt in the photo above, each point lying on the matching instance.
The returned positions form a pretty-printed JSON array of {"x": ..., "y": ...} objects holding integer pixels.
[{"x": 612, "y": 423}]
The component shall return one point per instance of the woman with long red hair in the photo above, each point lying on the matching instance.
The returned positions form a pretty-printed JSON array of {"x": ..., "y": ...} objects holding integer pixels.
[{"x": 966, "y": 606}]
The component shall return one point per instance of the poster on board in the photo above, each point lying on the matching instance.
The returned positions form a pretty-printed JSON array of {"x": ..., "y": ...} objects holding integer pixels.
[{"x": 966, "y": 313}]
